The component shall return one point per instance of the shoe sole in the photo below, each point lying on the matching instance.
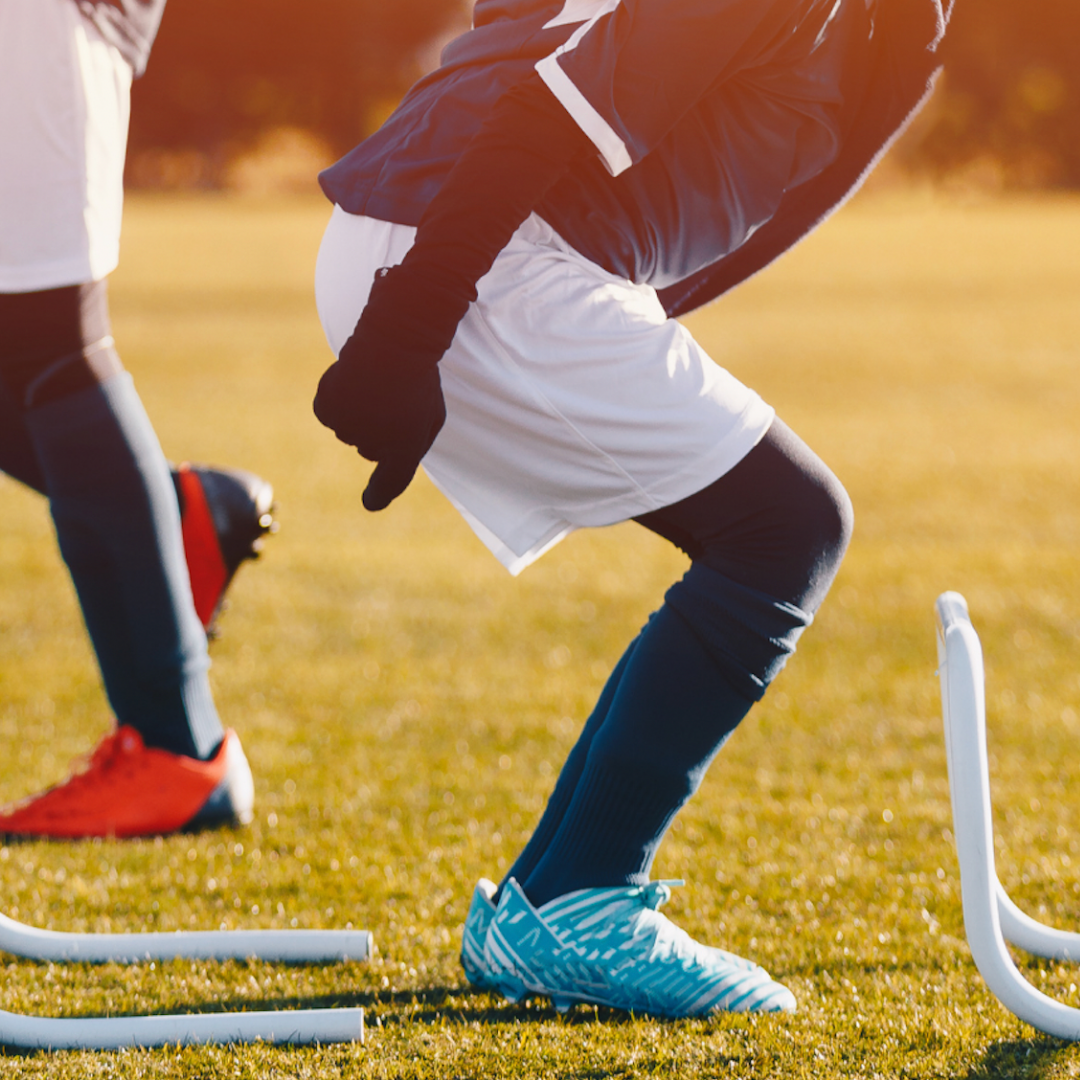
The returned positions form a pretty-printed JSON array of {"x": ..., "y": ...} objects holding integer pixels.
[{"x": 563, "y": 1004}]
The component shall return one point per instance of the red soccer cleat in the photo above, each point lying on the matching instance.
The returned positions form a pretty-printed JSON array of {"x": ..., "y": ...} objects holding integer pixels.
[
  {"x": 125, "y": 789},
  {"x": 224, "y": 514}
]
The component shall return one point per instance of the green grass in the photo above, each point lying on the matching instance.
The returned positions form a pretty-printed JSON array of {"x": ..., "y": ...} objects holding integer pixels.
[{"x": 406, "y": 705}]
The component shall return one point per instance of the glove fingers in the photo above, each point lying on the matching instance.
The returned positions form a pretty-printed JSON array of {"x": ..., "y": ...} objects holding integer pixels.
[
  {"x": 394, "y": 474},
  {"x": 390, "y": 478}
]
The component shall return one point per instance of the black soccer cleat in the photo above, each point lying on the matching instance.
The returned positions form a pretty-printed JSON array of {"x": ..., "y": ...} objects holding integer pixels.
[{"x": 224, "y": 515}]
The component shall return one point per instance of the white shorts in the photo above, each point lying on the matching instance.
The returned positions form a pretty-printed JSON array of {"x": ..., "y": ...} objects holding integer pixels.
[
  {"x": 572, "y": 400},
  {"x": 64, "y": 103}
]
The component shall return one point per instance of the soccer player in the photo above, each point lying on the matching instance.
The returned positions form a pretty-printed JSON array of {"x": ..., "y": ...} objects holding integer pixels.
[
  {"x": 150, "y": 550},
  {"x": 499, "y": 279}
]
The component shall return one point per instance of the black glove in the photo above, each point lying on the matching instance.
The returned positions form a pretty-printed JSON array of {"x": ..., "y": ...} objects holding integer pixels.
[{"x": 384, "y": 395}]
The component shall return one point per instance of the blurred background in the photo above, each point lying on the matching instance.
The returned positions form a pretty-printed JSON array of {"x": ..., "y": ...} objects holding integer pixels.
[{"x": 257, "y": 95}]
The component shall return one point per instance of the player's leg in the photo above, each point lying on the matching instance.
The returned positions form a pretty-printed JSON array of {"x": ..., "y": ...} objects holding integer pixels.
[
  {"x": 766, "y": 541},
  {"x": 777, "y": 525},
  {"x": 117, "y": 522},
  {"x": 113, "y": 503},
  {"x": 99, "y": 462},
  {"x": 571, "y": 401}
]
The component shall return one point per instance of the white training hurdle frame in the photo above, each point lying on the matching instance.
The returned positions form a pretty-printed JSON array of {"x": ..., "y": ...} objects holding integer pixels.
[
  {"x": 289, "y": 1026},
  {"x": 293, "y": 1026},
  {"x": 278, "y": 946},
  {"x": 990, "y": 917}
]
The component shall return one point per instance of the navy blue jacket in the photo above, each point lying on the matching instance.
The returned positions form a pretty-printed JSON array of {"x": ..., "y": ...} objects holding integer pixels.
[{"x": 725, "y": 129}]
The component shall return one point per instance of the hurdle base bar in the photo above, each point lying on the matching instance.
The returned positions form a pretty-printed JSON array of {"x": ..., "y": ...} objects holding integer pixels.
[
  {"x": 1035, "y": 937},
  {"x": 280, "y": 946},
  {"x": 987, "y": 908},
  {"x": 288, "y": 1027}
]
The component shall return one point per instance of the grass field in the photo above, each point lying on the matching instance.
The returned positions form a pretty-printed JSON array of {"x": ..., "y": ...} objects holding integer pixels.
[{"x": 406, "y": 705}]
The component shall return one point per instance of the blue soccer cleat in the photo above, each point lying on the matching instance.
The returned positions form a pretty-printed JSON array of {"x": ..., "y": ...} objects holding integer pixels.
[
  {"x": 612, "y": 947},
  {"x": 481, "y": 912}
]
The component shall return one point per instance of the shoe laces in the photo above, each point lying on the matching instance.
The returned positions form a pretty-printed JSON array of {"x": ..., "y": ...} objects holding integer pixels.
[
  {"x": 608, "y": 908},
  {"x": 656, "y": 894},
  {"x": 109, "y": 752},
  {"x": 626, "y": 921},
  {"x": 667, "y": 939},
  {"x": 678, "y": 944}
]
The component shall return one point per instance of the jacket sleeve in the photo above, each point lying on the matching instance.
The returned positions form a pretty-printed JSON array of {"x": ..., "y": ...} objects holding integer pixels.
[{"x": 901, "y": 78}]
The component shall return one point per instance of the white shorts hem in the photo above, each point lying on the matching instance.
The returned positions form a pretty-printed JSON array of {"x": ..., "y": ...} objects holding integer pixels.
[{"x": 535, "y": 538}]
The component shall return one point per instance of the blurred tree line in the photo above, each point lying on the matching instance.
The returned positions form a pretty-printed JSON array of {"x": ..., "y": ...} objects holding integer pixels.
[
  {"x": 225, "y": 75},
  {"x": 1011, "y": 95},
  {"x": 230, "y": 76}
]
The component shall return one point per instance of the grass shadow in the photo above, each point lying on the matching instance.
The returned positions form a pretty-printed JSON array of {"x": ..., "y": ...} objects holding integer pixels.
[
  {"x": 442, "y": 1005},
  {"x": 1018, "y": 1059}
]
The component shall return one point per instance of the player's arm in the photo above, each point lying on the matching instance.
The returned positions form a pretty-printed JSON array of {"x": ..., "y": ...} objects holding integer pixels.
[{"x": 383, "y": 395}]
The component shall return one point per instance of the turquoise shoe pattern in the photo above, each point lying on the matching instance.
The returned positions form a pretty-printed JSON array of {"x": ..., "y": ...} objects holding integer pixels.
[{"x": 613, "y": 947}]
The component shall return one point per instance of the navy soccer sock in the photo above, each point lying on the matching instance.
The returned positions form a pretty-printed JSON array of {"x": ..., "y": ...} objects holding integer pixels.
[
  {"x": 118, "y": 526},
  {"x": 569, "y": 775},
  {"x": 692, "y": 675}
]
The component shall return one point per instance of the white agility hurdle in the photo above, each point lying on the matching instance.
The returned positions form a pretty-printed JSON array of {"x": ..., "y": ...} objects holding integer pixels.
[
  {"x": 990, "y": 917},
  {"x": 295, "y": 1026},
  {"x": 292, "y": 1027},
  {"x": 279, "y": 946}
]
